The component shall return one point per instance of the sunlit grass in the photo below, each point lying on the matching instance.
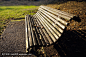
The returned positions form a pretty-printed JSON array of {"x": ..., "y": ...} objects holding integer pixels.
[
  {"x": 14, "y": 12},
  {"x": 7, "y": 12}
]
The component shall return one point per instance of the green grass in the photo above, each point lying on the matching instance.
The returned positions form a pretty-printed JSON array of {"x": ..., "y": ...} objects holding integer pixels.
[{"x": 14, "y": 12}]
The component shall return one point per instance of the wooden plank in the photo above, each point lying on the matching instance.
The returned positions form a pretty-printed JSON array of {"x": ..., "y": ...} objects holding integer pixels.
[
  {"x": 55, "y": 17},
  {"x": 41, "y": 39},
  {"x": 46, "y": 27},
  {"x": 55, "y": 21},
  {"x": 54, "y": 25},
  {"x": 58, "y": 14},
  {"x": 33, "y": 36},
  {"x": 36, "y": 34},
  {"x": 44, "y": 34},
  {"x": 53, "y": 30},
  {"x": 26, "y": 32},
  {"x": 58, "y": 11},
  {"x": 29, "y": 30}
]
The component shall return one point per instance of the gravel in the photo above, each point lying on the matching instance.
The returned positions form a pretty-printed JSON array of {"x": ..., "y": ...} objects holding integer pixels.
[{"x": 13, "y": 38}]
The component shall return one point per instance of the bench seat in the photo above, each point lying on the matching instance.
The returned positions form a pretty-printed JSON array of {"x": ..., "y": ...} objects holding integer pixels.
[{"x": 46, "y": 26}]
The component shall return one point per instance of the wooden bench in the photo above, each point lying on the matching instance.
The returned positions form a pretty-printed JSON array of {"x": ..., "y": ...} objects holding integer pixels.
[{"x": 45, "y": 27}]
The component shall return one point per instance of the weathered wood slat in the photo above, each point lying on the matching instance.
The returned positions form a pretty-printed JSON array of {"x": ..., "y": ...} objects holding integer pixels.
[
  {"x": 26, "y": 33},
  {"x": 58, "y": 14},
  {"x": 44, "y": 40},
  {"x": 37, "y": 36},
  {"x": 48, "y": 29},
  {"x": 46, "y": 37},
  {"x": 33, "y": 36},
  {"x": 41, "y": 39},
  {"x": 53, "y": 30},
  {"x": 54, "y": 25},
  {"x": 55, "y": 21},
  {"x": 55, "y": 17},
  {"x": 29, "y": 30}
]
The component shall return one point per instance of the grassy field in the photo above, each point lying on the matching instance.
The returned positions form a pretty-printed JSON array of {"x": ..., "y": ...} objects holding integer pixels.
[{"x": 8, "y": 13}]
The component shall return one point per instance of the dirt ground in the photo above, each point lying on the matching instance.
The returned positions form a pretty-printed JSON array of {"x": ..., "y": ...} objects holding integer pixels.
[{"x": 72, "y": 43}]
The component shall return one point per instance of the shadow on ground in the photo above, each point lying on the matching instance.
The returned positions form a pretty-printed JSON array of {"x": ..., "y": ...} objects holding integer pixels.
[{"x": 72, "y": 44}]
